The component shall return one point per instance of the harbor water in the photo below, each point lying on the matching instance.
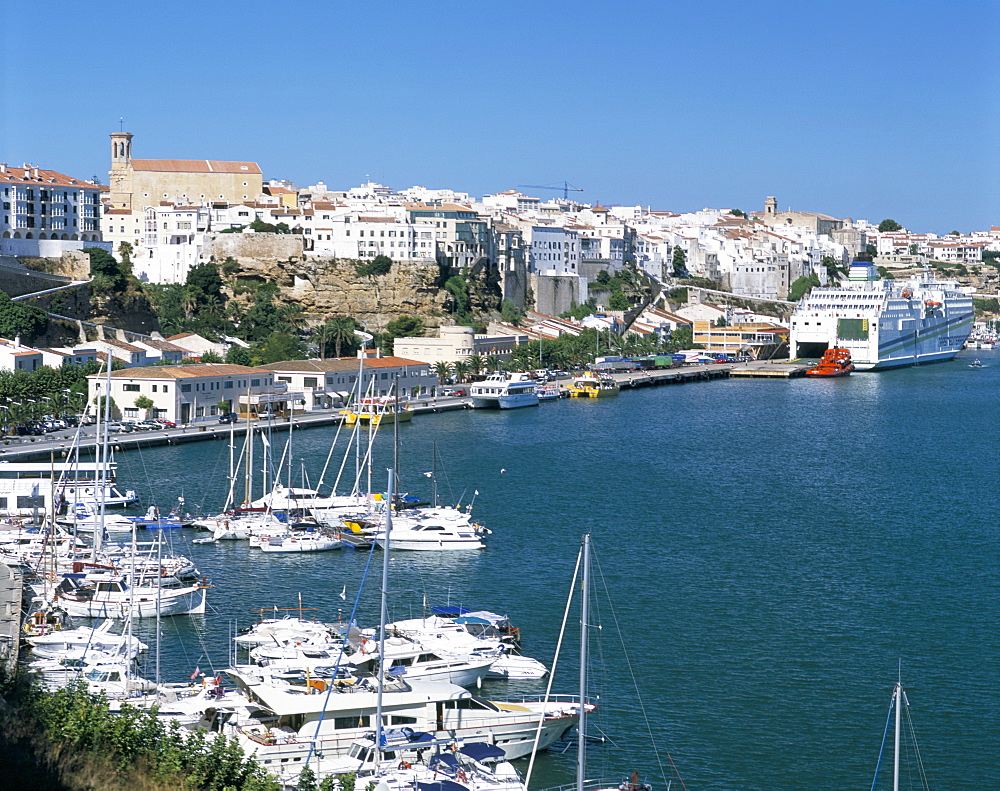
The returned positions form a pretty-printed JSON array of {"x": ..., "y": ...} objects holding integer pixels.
[{"x": 769, "y": 556}]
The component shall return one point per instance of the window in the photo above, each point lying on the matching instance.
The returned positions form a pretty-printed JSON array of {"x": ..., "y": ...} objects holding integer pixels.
[
  {"x": 130, "y": 388},
  {"x": 154, "y": 388},
  {"x": 164, "y": 388},
  {"x": 130, "y": 412},
  {"x": 255, "y": 383},
  {"x": 228, "y": 385},
  {"x": 309, "y": 381},
  {"x": 285, "y": 379},
  {"x": 185, "y": 388}
]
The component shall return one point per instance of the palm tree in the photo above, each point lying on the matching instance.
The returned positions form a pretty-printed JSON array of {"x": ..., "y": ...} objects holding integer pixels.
[
  {"x": 461, "y": 370},
  {"x": 476, "y": 363},
  {"x": 293, "y": 317},
  {"x": 341, "y": 332},
  {"x": 442, "y": 370},
  {"x": 323, "y": 335},
  {"x": 189, "y": 302}
]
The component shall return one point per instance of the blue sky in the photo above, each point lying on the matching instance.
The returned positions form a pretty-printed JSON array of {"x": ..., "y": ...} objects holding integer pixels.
[{"x": 874, "y": 110}]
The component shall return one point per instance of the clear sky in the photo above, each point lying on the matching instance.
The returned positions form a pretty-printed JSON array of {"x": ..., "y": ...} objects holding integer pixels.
[{"x": 860, "y": 109}]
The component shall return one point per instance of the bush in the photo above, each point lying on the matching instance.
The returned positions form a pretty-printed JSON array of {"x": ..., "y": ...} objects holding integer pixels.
[{"x": 379, "y": 265}]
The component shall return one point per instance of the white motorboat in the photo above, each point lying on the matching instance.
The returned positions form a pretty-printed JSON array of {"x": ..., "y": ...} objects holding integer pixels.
[
  {"x": 299, "y": 541},
  {"x": 430, "y": 537},
  {"x": 408, "y": 659},
  {"x": 111, "y": 595},
  {"x": 504, "y": 391},
  {"x": 74, "y": 643}
]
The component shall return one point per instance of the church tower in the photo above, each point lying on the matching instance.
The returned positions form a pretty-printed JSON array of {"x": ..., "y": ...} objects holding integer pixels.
[
  {"x": 121, "y": 170},
  {"x": 771, "y": 207}
]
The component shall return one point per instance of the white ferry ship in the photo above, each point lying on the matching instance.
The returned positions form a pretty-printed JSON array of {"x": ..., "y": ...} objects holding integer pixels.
[
  {"x": 883, "y": 323},
  {"x": 503, "y": 391}
]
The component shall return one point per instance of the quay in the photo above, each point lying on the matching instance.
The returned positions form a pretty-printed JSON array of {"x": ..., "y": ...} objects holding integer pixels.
[
  {"x": 11, "y": 592},
  {"x": 44, "y": 448}
]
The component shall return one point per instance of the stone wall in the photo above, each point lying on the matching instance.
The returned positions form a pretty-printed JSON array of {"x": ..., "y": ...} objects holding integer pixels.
[
  {"x": 263, "y": 246},
  {"x": 556, "y": 294}
]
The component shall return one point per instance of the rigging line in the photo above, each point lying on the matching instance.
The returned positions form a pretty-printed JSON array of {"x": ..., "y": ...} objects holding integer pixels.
[
  {"x": 555, "y": 660},
  {"x": 628, "y": 663},
  {"x": 916, "y": 749},
  {"x": 329, "y": 456},
  {"x": 885, "y": 734},
  {"x": 336, "y": 666}
]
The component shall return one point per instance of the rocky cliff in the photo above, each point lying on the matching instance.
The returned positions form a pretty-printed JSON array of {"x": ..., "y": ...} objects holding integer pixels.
[{"x": 326, "y": 287}]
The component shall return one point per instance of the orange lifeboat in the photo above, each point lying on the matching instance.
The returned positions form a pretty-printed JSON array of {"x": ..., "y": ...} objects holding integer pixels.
[{"x": 834, "y": 362}]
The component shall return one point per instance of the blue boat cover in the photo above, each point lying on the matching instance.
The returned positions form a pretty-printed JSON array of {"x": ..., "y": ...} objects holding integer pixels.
[
  {"x": 445, "y": 759},
  {"x": 450, "y": 612},
  {"x": 441, "y": 785},
  {"x": 471, "y": 619},
  {"x": 480, "y": 751}
]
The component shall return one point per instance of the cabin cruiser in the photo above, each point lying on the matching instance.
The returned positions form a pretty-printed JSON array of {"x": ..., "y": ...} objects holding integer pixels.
[{"x": 504, "y": 391}]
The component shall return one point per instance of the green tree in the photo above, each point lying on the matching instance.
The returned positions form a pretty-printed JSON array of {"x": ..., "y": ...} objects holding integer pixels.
[
  {"x": 237, "y": 355},
  {"x": 406, "y": 327},
  {"x": 679, "y": 262},
  {"x": 737, "y": 213},
  {"x": 618, "y": 301},
  {"x": 442, "y": 370},
  {"x": 125, "y": 252},
  {"x": 19, "y": 319},
  {"x": 461, "y": 370},
  {"x": 341, "y": 330},
  {"x": 801, "y": 286},
  {"x": 211, "y": 357},
  {"x": 510, "y": 312},
  {"x": 144, "y": 403},
  {"x": 206, "y": 277},
  {"x": 888, "y": 226},
  {"x": 103, "y": 263},
  {"x": 681, "y": 338},
  {"x": 281, "y": 346},
  {"x": 379, "y": 265},
  {"x": 459, "y": 290}
]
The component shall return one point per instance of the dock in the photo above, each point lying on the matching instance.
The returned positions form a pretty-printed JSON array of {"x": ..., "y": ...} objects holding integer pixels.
[{"x": 770, "y": 370}]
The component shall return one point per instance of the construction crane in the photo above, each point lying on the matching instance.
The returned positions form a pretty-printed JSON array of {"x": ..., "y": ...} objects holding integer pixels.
[{"x": 566, "y": 188}]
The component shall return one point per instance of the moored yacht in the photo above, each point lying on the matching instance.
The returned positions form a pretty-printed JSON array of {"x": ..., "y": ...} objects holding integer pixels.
[{"x": 504, "y": 391}]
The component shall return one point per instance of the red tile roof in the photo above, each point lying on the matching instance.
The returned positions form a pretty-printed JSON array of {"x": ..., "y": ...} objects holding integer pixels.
[{"x": 195, "y": 166}]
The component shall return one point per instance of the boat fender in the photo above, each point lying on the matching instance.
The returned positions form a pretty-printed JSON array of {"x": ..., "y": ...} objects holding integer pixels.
[
  {"x": 404, "y": 764},
  {"x": 461, "y": 776}
]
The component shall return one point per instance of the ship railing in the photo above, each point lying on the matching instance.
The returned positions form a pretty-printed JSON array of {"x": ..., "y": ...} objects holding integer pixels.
[{"x": 594, "y": 784}]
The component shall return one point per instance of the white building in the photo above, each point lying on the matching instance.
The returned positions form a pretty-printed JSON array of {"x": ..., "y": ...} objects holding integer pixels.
[
  {"x": 46, "y": 213},
  {"x": 187, "y": 393}
]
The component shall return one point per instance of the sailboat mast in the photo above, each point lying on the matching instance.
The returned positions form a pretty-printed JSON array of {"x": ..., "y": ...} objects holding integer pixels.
[
  {"x": 379, "y": 740},
  {"x": 898, "y": 694},
  {"x": 581, "y": 752}
]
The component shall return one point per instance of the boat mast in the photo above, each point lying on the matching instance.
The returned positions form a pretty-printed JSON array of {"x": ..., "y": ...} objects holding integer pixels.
[
  {"x": 103, "y": 466},
  {"x": 581, "y": 751},
  {"x": 898, "y": 695},
  {"x": 379, "y": 738}
]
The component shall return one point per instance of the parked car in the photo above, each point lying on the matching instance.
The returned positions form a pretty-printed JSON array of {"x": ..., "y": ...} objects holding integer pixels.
[
  {"x": 152, "y": 425},
  {"x": 229, "y": 417},
  {"x": 166, "y": 423},
  {"x": 120, "y": 428}
]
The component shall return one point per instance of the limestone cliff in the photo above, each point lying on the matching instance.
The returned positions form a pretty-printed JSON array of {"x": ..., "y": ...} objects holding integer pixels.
[{"x": 327, "y": 287}]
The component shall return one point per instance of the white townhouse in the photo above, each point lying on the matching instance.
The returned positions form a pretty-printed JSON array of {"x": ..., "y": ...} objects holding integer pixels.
[
  {"x": 172, "y": 243},
  {"x": 46, "y": 213},
  {"x": 188, "y": 393},
  {"x": 552, "y": 250},
  {"x": 358, "y": 235},
  {"x": 325, "y": 384}
]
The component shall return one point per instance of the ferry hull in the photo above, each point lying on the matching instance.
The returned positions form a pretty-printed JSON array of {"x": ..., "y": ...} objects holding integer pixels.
[{"x": 514, "y": 401}]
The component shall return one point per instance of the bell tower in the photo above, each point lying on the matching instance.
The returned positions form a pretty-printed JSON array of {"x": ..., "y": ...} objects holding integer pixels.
[
  {"x": 121, "y": 170},
  {"x": 771, "y": 207}
]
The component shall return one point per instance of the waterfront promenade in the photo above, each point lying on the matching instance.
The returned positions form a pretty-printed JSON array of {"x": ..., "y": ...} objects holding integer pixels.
[{"x": 58, "y": 445}]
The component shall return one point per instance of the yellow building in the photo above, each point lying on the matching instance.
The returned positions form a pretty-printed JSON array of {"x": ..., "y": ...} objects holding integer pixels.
[
  {"x": 754, "y": 339},
  {"x": 137, "y": 183}
]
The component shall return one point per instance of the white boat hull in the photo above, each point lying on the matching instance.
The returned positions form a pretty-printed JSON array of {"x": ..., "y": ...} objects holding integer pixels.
[{"x": 144, "y": 605}]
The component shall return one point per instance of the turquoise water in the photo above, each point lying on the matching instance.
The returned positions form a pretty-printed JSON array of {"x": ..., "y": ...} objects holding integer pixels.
[{"x": 768, "y": 553}]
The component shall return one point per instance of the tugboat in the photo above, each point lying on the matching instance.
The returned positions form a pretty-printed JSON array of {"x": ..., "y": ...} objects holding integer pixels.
[{"x": 834, "y": 362}]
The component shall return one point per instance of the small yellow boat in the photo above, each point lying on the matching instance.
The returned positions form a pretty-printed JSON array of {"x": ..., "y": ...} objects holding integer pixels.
[
  {"x": 593, "y": 385},
  {"x": 377, "y": 411}
]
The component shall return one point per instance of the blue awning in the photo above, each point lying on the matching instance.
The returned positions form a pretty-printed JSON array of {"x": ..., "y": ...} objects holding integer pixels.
[
  {"x": 472, "y": 619},
  {"x": 445, "y": 759},
  {"x": 481, "y": 751},
  {"x": 441, "y": 785}
]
